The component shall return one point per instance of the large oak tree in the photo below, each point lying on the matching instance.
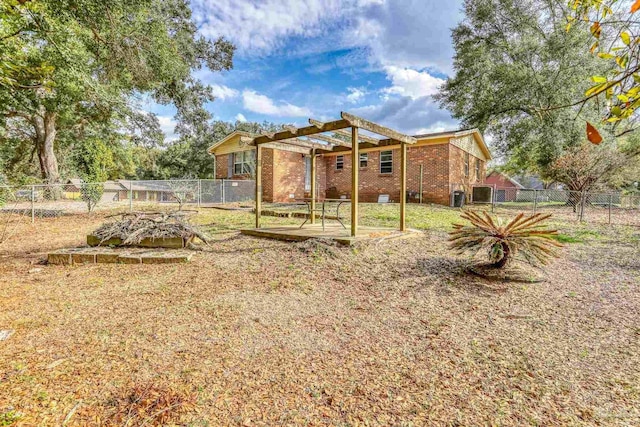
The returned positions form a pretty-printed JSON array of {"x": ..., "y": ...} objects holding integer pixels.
[
  {"x": 68, "y": 65},
  {"x": 514, "y": 60}
]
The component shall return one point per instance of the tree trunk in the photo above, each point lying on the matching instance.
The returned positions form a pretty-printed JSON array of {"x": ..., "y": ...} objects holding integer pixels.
[
  {"x": 506, "y": 254},
  {"x": 45, "y": 127}
]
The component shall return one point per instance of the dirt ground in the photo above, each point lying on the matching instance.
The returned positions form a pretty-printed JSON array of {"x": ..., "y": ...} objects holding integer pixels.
[{"x": 259, "y": 332}]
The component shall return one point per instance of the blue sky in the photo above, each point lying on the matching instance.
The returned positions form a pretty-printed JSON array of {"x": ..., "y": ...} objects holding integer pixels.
[{"x": 295, "y": 59}]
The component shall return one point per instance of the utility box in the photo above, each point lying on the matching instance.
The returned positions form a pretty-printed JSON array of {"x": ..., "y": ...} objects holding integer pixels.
[
  {"x": 482, "y": 194},
  {"x": 457, "y": 199}
]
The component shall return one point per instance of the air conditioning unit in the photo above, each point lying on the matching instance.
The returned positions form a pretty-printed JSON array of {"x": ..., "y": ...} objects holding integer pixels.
[{"x": 482, "y": 194}]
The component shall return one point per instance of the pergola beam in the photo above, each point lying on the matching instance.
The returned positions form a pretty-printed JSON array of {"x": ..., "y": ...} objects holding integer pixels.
[
  {"x": 305, "y": 143},
  {"x": 331, "y": 140},
  {"x": 288, "y": 144},
  {"x": 344, "y": 132},
  {"x": 269, "y": 134},
  {"x": 286, "y": 147},
  {"x": 305, "y": 131},
  {"x": 361, "y": 123}
]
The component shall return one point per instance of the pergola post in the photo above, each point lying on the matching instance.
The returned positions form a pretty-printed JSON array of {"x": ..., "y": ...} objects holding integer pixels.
[
  {"x": 258, "y": 184},
  {"x": 313, "y": 186},
  {"x": 403, "y": 186},
  {"x": 355, "y": 169}
]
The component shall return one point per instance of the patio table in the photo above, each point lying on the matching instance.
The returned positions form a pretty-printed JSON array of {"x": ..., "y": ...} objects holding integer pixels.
[{"x": 324, "y": 203}]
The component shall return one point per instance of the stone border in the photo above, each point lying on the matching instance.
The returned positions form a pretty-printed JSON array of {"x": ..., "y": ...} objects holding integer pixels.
[{"x": 100, "y": 255}]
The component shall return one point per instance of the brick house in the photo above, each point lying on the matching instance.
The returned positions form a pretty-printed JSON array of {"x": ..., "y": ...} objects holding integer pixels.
[{"x": 445, "y": 161}]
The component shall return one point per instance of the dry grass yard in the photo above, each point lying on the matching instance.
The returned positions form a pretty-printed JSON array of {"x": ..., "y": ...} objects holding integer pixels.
[{"x": 261, "y": 333}]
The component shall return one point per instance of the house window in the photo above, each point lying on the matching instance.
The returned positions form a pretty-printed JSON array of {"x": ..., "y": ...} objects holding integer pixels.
[
  {"x": 243, "y": 162},
  {"x": 364, "y": 158},
  {"x": 339, "y": 163},
  {"x": 386, "y": 161},
  {"x": 478, "y": 169},
  {"x": 466, "y": 165}
]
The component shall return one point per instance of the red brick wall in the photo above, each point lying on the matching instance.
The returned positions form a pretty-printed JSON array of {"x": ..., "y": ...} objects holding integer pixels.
[
  {"x": 435, "y": 185},
  {"x": 222, "y": 168},
  {"x": 288, "y": 176},
  {"x": 456, "y": 170},
  {"x": 435, "y": 163},
  {"x": 267, "y": 174},
  {"x": 283, "y": 174}
]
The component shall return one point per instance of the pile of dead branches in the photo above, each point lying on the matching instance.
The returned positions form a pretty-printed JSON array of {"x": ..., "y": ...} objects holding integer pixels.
[{"x": 133, "y": 227}]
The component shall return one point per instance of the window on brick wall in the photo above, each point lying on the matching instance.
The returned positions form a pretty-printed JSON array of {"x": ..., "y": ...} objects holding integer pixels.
[
  {"x": 386, "y": 161},
  {"x": 466, "y": 165},
  {"x": 478, "y": 168},
  {"x": 339, "y": 163},
  {"x": 364, "y": 159},
  {"x": 243, "y": 162}
]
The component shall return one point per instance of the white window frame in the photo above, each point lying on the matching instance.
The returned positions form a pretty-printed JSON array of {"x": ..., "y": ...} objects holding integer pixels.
[
  {"x": 245, "y": 160},
  {"x": 340, "y": 162},
  {"x": 386, "y": 162},
  {"x": 364, "y": 157},
  {"x": 478, "y": 168}
]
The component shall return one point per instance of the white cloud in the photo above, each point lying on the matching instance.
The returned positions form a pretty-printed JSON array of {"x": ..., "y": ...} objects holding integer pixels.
[
  {"x": 405, "y": 33},
  {"x": 223, "y": 92},
  {"x": 168, "y": 127},
  {"x": 261, "y": 26},
  {"x": 412, "y": 116},
  {"x": 241, "y": 118},
  {"x": 262, "y": 104},
  {"x": 356, "y": 94},
  {"x": 411, "y": 83}
]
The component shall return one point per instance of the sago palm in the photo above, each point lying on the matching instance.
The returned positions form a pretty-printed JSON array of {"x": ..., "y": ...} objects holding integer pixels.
[{"x": 523, "y": 236}]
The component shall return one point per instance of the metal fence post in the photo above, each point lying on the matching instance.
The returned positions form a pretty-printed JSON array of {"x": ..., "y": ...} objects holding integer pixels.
[
  {"x": 493, "y": 199},
  {"x": 33, "y": 204},
  {"x": 222, "y": 187},
  {"x": 582, "y": 201},
  {"x": 130, "y": 197},
  {"x": 535, "y": 200},
  {"x": 610, "y": 201},
  {"x": 199, "y": 191}
]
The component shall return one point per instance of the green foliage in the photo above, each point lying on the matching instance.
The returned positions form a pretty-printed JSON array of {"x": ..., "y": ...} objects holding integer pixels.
[
  {"x": 188, "y": 156},
  {"x": 503, "y": 241},
  {"x": 616, "y": 41},
  {"x": 9, "y": 418},
  {"x": 73, "y": 64},
  {"x": 514, "y": 59}
]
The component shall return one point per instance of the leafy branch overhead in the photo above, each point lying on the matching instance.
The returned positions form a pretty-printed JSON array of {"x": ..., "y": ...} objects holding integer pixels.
[{"x": 617, "y": 42}]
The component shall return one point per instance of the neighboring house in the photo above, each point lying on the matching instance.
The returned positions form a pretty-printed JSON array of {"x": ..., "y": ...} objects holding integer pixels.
[
  {"x": 158, "y": 191},
  {"x": 448, "y": 160},
  {"x": 112, "y": 190},
  {"x": 505, "y": 187}
]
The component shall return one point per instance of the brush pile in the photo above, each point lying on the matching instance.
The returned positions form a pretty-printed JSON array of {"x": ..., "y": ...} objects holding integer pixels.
[{"x": 134, "y": 227}]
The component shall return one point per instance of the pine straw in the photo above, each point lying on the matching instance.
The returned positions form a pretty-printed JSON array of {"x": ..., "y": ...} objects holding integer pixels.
[
  {"x": 137, "y": 226},
  {"x": 140, "y": 404}
]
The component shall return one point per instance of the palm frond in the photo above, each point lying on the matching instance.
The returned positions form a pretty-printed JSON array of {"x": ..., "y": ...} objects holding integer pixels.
[{"x": 523, "y": 237}]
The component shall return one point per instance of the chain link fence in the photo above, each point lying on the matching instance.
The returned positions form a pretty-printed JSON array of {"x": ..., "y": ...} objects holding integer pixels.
[
  {"x": 55, "y": 200},
  {"x": 588, "y": 206}
]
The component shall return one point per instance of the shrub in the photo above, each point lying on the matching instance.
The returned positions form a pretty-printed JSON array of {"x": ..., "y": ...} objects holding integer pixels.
[
  {"x": 523, "y": 236},
  {"x": 91, "y": 193}
]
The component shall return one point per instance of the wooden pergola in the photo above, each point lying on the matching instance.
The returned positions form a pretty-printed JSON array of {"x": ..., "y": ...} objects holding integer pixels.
[{"x": 334, "y": 136}]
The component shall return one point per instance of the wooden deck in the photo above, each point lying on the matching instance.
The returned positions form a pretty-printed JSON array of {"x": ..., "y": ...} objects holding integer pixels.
[{"x": 331, "y": 231}]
